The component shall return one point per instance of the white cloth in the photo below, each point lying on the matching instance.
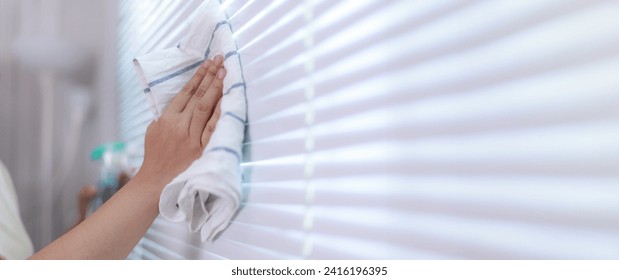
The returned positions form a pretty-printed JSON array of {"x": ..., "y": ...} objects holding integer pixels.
[
  {"x": 208, "y": 193},
  {"x": 14, "y": 241}
]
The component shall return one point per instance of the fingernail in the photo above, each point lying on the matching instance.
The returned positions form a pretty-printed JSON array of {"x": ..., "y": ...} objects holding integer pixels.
[
  {"x": 219, "y": 59},
  {"x": 206, "y": 63},
  {"x": 221, "y": 73}
]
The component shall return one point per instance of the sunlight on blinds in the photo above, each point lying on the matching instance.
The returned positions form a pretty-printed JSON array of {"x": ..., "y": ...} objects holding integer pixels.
[{"x": 408, "y": 129}]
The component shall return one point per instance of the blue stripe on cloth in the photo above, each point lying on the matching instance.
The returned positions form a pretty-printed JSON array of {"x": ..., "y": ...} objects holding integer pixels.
[
  {"x": 192, "y": 66},
  {"x": 229, "y": 54},
  {"x": 147, "y": 90},
  {"x": 219, "y": 24},
  {"x": 234, "y": 86},
  {"x": 172, "y": 75},
  {"x": 241, "y": 66},
  {"x": 234, "y": 116},
  {"x": 226, "y": 149}
]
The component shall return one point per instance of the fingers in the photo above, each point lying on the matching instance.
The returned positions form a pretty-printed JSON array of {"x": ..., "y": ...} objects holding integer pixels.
[
  {"x": 198, "y": 101},
  {"x": 210, "y": 125},
  {"x": 179, "y": 102},
  {"x": 206, "y": 106},
  {"x": 204, "y": 84}
]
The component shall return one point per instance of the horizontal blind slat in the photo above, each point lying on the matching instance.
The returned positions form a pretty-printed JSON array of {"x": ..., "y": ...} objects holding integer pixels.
[{"x": 437, "y": 129}]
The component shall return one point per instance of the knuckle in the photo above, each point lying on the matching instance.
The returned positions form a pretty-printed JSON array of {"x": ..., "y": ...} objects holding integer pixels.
[
  {"x": 210, "y": 127},
  {"x": 200, "y": 92},
  {"x": 218, "y": 86},
  {"x": 212, "y": 71},
  {"x": 188, "y": 88},
  {"x": 203, "y": 106},
  {"x": 201, "y": 71},
  {"x": 166, "y": 114},
  {"x": 165, "y": 117},
  {"x": 195, "y": 99}
]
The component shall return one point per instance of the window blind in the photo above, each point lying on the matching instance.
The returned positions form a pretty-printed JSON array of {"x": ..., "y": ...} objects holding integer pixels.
[{"x": 408, "y": 129}]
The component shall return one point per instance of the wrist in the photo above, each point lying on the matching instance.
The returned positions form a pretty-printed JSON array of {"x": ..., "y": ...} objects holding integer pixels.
[{"x": 150, "y": 181}]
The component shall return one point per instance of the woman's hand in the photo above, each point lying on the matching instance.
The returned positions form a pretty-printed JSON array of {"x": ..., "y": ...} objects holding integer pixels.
[
  {"x": 172, "y": 143},
  {"x": 180, "y": 134}
]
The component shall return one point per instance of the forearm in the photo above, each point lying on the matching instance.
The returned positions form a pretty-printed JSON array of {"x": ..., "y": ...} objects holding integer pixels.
[{"x": 115, "y": 228}]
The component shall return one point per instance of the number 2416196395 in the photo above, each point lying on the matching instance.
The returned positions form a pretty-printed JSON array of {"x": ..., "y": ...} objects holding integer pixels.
[{"x": 350, "y": 270}]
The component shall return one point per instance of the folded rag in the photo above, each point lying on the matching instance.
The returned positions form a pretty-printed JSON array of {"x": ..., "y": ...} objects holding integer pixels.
[{"x": 208, "y": 193}]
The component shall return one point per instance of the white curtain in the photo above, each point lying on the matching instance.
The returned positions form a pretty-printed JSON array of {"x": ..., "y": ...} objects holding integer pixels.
[{"x": 409, "y": 129}]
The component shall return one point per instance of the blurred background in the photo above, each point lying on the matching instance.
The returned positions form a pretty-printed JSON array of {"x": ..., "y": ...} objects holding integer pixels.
[
  {"x": 378, "y": 129},
  {"x": 57, "y": 101}
]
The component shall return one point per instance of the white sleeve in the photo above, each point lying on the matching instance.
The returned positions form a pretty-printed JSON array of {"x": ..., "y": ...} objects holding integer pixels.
[{"x": 14, "y": 241}]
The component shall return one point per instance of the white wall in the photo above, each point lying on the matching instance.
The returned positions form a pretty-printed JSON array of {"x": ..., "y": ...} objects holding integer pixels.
[{"x": 91, "y": 26}]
